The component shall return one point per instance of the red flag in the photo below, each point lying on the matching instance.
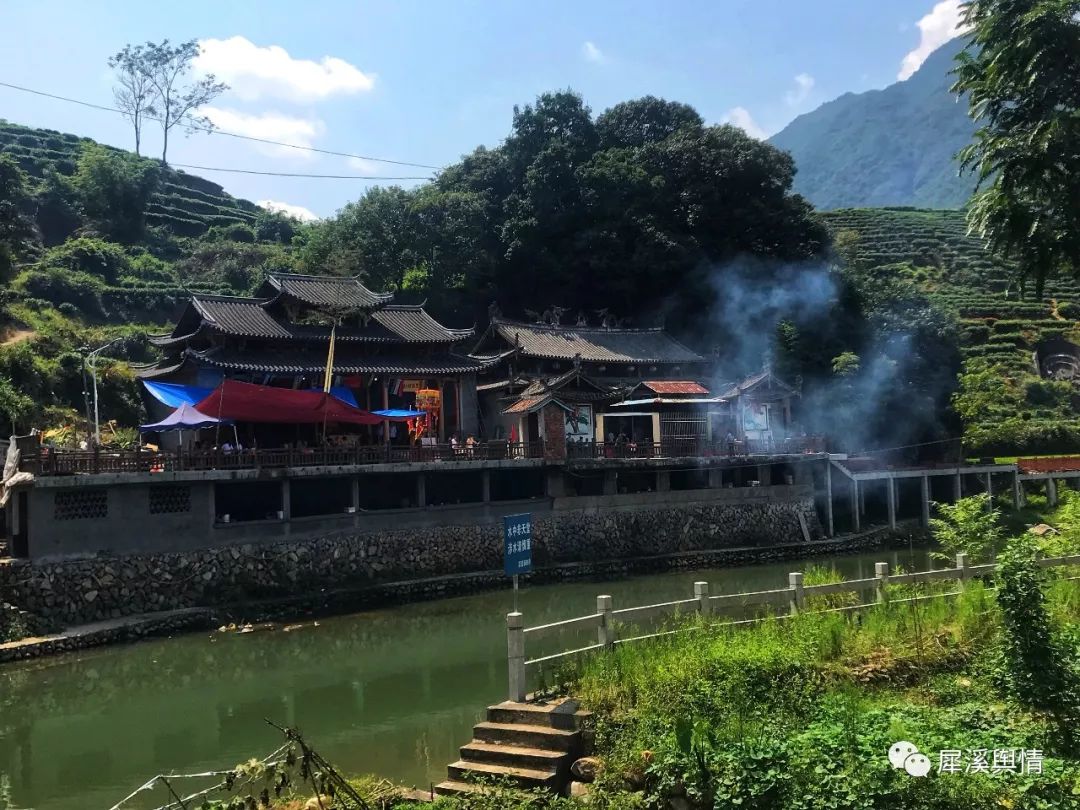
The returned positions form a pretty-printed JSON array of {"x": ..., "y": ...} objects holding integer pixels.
[{"x": 513, "y": 434}]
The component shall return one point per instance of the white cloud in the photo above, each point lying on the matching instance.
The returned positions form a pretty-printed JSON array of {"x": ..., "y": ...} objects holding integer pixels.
[
  {"x": 298, "y": 211},
  {"x": 254, "y": 72},
  {"x": 741, "y": 117},
  {"x": 804, "y": 84},
  {"x": 935, "y": 29},
  {"x": 593, "y": 53},
  {"x": 272, "y": 126},
  {"x": 366, "y": 166}
]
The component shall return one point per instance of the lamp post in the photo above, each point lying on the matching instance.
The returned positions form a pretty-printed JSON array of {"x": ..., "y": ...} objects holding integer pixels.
[
  {"x": 93, "y": 375},
  {"x": 83, "y": 352}
]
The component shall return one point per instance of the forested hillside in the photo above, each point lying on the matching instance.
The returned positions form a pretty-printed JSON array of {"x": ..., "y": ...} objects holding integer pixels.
[
  {"x": 1000, "y": 326},
  {"x": 885, "y": 147},
  {"x": 97, "y": 244}
]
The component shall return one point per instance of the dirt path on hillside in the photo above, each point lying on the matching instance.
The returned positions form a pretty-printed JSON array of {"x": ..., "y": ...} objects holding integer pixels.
[{"x": 17, "y": 336}]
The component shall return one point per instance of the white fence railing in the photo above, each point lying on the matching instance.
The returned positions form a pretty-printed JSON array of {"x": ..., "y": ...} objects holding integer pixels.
[{"x": 606, "y": 619}]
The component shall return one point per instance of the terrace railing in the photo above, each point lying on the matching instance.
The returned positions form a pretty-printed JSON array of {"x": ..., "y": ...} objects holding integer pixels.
[
  {"x": 69, "y": 462},
  {"x": 610, "y": 623},
  {"x": 694, "y": 448}
]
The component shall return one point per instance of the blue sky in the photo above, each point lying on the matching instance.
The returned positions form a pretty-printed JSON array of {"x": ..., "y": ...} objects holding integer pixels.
[{"x": 428, "y": 81}]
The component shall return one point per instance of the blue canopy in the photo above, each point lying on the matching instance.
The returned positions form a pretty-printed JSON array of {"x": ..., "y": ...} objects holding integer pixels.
[
  {"x": 186, "y": 417},
  {"x": 174, "y": 395},
  {"x": 398, "y": 413},
  {"x": 341, "y": 392}
]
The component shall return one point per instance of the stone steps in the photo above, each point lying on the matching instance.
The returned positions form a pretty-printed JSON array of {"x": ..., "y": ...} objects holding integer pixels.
[{"x": 524, "y": 745}]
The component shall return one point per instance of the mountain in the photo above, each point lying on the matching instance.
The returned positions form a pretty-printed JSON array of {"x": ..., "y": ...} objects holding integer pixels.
[{"x": 890, "y": 147}]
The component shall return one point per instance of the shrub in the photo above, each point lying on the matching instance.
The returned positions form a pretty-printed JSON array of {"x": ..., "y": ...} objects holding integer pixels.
[
  {"x": 58, "y": 286},
  {"x": 971, "y": 525},
  {"x": 1038, "y": 666},
  {"x": 114, "y": 189},
  {"x": 94, "y": 257}
]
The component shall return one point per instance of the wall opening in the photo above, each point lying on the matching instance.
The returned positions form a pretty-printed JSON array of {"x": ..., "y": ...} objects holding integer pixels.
[
  {"x": 517, "y": 484},
  {"x": 584, "y": 484},
  {"x": 456, "y": 487},
  {"x": 689, "y": 479},
  {"x": 245, "y": 501},
  {"x": 387, "y": 491},
  {"x": 628, "y": 482},
  {"x": 319, "y": 496}
]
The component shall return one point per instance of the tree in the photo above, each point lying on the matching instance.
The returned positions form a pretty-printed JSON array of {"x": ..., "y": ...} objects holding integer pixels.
[
  {"x": 114, "y": 189},
  {"x": 165, "y": 68},
  {"x": 15, "y": 208},
  {"x": 1021, "y": 74},
  {"x": 134, "y": 93},
  {"x": 645, "y": 120}
]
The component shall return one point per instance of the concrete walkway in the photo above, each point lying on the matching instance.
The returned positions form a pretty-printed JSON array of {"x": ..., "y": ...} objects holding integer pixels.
[{"x": 126, "y": 628}]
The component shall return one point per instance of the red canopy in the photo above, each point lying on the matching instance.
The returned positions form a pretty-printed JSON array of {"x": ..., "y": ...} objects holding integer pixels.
[{"x": 244, "y": 402}]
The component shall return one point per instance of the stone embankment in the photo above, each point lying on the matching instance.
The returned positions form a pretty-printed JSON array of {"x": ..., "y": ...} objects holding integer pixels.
[{"x": 78, "y": 591}]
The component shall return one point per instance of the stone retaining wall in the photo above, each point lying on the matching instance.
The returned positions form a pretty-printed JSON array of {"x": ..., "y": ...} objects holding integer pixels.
[{"x": 88, "y": 590}]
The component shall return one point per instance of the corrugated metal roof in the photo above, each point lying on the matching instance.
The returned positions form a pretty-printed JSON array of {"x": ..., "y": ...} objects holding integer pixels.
[
  {"x": 675, "y": 387},
  {"x": 248, "y": 317},
  {"x": 331, "y": 292},
  {"x": 291, "y": 361},
  {"x": 595, "y": 344}
]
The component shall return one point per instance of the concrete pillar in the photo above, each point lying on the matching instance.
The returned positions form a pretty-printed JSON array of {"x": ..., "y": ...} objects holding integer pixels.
[
  {"x": 890, "y": 498},
  {"x": 663, "y": 481},
  {"x": 555, "y": 483},
  {"x": 485, "y": 486},
  {"x": 354, "y": 499},
  {"x": 958, "y": 486},
  {"x": 701, "y": 593},
  {"x": 798, "y": 598},
  {"x": 764, "y": 475},
  {"x": 1017, "y": 494},
  {"x": 961, "y": 567},
  {"x": 515, "y": 656},
  {"x": 599, "y": 437},
  {"x": 862, "y": 501},
  {"x": 211, "y": 493},
  {"x": 881, "y": 571},
  {"x": 286, "y": 499},
  {"x": 856, "y": 522},
  {"x": 605, "y": 631},
  {"x": 925, "y": 493},
  {"x": 829, "y": 526},
  {"x": 656, "y": 428},
  {"x": 611, "y": 482},
  {"x": 421, "y": 490},
  {"x": 716, "y": 478},
  {"x": 989, "y": 485},
  {"x": 1051, "y": 492}
]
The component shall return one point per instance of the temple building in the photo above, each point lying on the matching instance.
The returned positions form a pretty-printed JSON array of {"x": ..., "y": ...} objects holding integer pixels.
[
  {"x": 385, "y": 355},
  {"x": 578, "y": 372}
]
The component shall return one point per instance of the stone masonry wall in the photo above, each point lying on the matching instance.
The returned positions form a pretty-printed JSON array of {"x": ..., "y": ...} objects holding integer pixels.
[{"x": 85, "y": 590}]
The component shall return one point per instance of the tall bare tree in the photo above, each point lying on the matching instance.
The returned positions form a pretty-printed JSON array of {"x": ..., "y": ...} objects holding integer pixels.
[
  {"x": 133, "y": 92},
  {"x": 175, "y": 100}
]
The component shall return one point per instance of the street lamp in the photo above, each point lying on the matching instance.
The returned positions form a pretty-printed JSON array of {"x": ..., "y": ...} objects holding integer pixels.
[{"x": 93, "y": 375}]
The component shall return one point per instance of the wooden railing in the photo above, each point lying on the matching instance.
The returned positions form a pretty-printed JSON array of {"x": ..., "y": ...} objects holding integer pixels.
[
  {"x": 65, "y": 462},
  {"x": 790, "y": 601},
  {"x": 694, "y": 448}
]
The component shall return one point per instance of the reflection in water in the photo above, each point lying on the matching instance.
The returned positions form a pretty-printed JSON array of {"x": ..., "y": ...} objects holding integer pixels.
[{"x": 393, "y": 692}]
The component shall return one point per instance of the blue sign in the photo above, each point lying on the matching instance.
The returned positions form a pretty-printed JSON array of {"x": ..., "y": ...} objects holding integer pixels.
[{"x": 517, "y": 544}]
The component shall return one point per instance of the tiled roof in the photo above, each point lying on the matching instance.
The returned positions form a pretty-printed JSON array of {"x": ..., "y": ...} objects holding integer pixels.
[
  {"x": 302, "y": 361},
  {"x": 330, "y": 292},
  {"x": 595, "y": 344},
  {"x": 754, "y": 381},
  {"x": 675, "y": 387},
  {"x": 527, "y": 404},
  {"x": 248, "y": 317}
]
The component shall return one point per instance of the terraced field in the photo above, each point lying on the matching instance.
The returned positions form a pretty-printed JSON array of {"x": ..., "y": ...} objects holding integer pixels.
[
  {"x": 185, "y": 204},
  {"x": 997, "y": 321}
]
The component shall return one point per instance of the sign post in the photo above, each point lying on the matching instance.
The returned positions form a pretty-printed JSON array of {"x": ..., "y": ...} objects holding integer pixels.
[{"x": 517, "y": 548}]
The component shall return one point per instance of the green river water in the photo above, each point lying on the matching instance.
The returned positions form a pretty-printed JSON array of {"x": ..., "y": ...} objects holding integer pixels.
[{"x": 393, "y": 692}]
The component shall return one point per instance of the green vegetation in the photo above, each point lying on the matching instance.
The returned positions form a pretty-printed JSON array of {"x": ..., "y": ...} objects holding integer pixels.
[
  {"x": 1004, "y": 404},
  {"x": 98, "y": 244},
  {"x": 895, "y": 146},
  {"x": 1018, "y": 72}
]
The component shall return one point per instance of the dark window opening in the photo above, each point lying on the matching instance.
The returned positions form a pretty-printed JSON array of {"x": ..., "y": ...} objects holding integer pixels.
[
  {"x": 247, "y": 501},
  {"x": 319, "y": 496},
  {"x": 450, "y": 488}
]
